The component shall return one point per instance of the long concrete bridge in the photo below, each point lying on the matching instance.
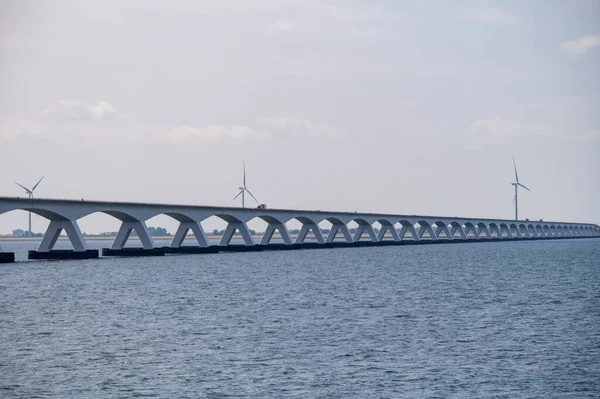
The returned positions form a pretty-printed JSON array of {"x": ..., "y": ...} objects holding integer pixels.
[{"x": 64, "y": 214}]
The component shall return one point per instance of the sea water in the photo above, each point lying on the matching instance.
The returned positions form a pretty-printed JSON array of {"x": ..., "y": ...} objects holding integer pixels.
[{"x": 492, "y": 320}]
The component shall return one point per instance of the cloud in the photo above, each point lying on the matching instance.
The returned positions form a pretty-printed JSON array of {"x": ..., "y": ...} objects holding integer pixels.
[
  {"x": 211, "y": 132},
  {"x": 492, "y": 16},
  {"x": 303, "y": 128},
  {"x": 498, "y": 127},
  {"x": 580, "y": 46},
  {"x": 282, "y": 26},
  {"x": 12, "y": 127},
  {"x": 78, "y": 110}
]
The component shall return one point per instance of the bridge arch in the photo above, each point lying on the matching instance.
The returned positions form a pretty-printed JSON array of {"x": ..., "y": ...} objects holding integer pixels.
[
  {"x": 482, "y": 227},
  {"x": 364, "y": 226},
  {"x": 407, "y": 227},
  {"x": 504, "y": 228},
  {"x": 387, "y": 226},
  {"x": 442, "y": 227},
  {"x": 514, "y": 229},
  {"x": 45, "y": 213},
  {"x": 539, "y": 230},
  {"x": 523, "y": 230},
  {"x": 471, "y": 228},
  {"x": 308, "y": 225},
  {"x": 457, "y": 227},
  {"x": 425, "y": 227}
]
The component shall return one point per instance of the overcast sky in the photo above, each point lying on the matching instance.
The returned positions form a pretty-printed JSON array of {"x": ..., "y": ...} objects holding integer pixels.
[{"x": 409, "y": 107}]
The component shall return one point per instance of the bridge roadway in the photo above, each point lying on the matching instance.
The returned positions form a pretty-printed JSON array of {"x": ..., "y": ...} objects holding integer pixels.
[{"x": 64, "y": 214}]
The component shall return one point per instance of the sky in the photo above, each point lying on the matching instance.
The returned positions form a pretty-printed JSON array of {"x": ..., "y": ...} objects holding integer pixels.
[{"x": 408, "y": 107}]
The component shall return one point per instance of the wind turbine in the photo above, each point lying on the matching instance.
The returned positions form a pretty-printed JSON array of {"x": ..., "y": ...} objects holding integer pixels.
[
  {"x": 517, "y": 184},
  {"x": 243, "y": 190},
  {"x": 30, "y": 195}
]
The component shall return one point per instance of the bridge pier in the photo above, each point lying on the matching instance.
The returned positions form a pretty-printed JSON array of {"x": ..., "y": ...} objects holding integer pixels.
[
  {"x": 283, "y": 231},
  {"x": 125, "y": 230},
  {"x": 443, "y": 228},
  {"x": 456, "y": 227},
  {"x": 505, "y": 229},
  {"x": 337, "y": 227},
  {"x": 426, "y": 228},
  {"x": 312, "y": 227},
  {"x": 483, "y": 228},
  {"x": 182, "y": 231},
  {"x": 470, "y": 228},
  {"x": 230, "y": 231},
  {"x": 384, "y": 229},
  {"x": 411, "y": 229},
  {"x": 362, "y": 228},
  {"x": 53, "y": 232},
  {"x": 524, "y": 231}
]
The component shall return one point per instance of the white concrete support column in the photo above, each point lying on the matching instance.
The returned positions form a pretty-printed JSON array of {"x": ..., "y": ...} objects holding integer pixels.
[
  {"x": 443, "y": 228},
  {"x": 428, "y": 228},
  {"x": 384, "y": 229},
  {"x": 517, "y": 233},
  {"x": 507, "y": 230},
  {"x": 485, "y": 230},
  {"x": 283, "y": 231},
  {"x": 558, "y": 232},
  {"x": 125, "y": 230},
  {"x": 471, "y": 229},
  {"x": 460, "y": 230},
  {"x": 496, "y": 229},
  {"x": 539, "y": 232},
  {"x": 525, "y": 232},
  {"x": 361, "y": 229},
  {"x": 304, "y": 231},
  {"x": 547, "y": 232},
  {"x": 411, "y": 229},
  {"x": 533, "y": 232},
  {"x": 337, "y": 227},
  {"x": 230, "y": 230},
  {"x": 182, "y": 231},
  {"x": 53, "y": 232}
]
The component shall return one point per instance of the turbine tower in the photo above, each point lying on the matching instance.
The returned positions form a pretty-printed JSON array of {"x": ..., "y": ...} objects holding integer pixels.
[
  {"x": 517, "y": 184},
  {"x": 30, "y": 195},
  {"x": 244, "y": 190}
]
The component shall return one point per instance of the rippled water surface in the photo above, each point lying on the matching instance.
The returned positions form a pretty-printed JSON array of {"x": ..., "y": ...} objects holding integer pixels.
[{"x": 493, "y": 320}]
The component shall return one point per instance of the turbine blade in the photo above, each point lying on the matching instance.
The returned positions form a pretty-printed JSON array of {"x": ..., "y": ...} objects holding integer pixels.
[
  {"x": 524, "y": 187},
  {"x": 252, "y": 195},
  {"x": 240, "y": 193},
  {"x": 514, "y": 198},
  {"x": 515, "y": 165},
  {"x": 244, "y": 174},
  {"x": 25, "y": 188},
  {"x": 36, "y": 184}
]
